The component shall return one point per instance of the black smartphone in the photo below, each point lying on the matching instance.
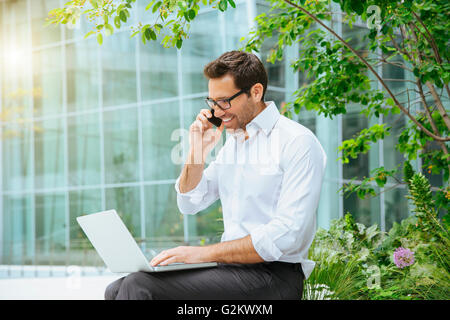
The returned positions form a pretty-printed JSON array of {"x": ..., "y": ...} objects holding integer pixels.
[{"x": 214, "y": 120}]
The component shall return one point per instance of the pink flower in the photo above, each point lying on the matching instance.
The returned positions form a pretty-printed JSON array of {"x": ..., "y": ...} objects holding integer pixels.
[{"x": 403, "y": 257}]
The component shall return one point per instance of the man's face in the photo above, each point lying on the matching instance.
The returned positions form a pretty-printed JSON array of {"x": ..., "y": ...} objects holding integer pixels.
[{"x": 242, "y": 109}]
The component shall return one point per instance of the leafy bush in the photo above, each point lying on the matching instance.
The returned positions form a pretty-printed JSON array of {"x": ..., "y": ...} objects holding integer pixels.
[{"x": 356, "y": 262}]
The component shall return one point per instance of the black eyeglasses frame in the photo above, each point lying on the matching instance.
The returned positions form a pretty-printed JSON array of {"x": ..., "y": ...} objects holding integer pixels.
[{"x": 227, "y": 99}]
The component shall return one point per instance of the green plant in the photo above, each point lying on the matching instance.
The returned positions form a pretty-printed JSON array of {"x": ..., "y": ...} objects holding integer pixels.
[
  {"x": 349, "y": 255},
  {"x": 342, "y": 254}
]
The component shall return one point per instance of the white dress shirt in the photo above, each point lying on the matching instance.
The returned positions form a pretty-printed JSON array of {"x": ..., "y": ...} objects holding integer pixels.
[{"x": 269, "y": 186}]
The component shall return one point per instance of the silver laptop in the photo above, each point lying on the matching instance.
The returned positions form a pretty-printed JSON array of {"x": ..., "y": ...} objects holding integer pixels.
[{"x": 116, "y": 246}]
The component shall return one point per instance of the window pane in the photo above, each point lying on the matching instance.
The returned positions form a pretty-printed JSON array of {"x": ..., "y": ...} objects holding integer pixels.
[
  {"x": 39, "y": 11},
  {"x": 82, "y": 75},
  {"x": 203, "y": 46},
  {"x": 365, "y": 211},
  {"x": 207, "y": 225},
  {"x": 163, "y": 221},
  {"x": 352, "y": 124},
  {"x": 356, "y": 36},
  {"x": 16, "y": 93},
  {"x": 119, "y": 69},
  {"x": 49, "y": 154},
  {"x": 84, "y": 150},
  {"x": 121, "y": 146},
  {"x": 15, "y": 57},
  {"x": 161, "y": 140},
  {"x": 144, "y": 15},
  {"x": 392, "y": 157},
  {"x": 396, "y": 206},
  {"x": 307, "y": 118},
  {"x": 17, "y": 230},
  {"x": 79, "y": 30},
  {"x": 83, "y": 202},
  {"x": 276, "y": 96},
  {"x": 236, "y": 26},
  {"x": 159, "y": 77},
  {"x": 50, "y": 229},
  {"x": 126, "y": 201},
  {"x": 47, "y": 77},
  {"x": 16, "y": 154},
  {"x": 275, "y": 71}
]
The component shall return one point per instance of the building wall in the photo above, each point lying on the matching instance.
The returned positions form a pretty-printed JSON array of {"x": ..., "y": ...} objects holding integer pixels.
[{"x": 88, "y": 128}]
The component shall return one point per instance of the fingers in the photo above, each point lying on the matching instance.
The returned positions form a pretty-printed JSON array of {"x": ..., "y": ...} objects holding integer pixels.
[
  {"x": 169, "y": 261},
  {"x": 161, "y": 257},
  {"x": 207, "y": 113},
  {"x": 203, "y": 118},
  {"x": 165, "y": 257}
]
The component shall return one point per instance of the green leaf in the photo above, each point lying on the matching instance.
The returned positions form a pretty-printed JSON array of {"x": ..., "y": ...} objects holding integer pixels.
[
  {"x": 232, "y": 3},
  {"x": 120, "y": 7},
  {"x": 156, "y": 6},
  {"x": 149, "y": 5},
  {"x": 191, "y": 14},
  {"x": 179, "y": 43},
  {"x": 117, "y": 22},
  {"x": 89, "y": 34},
  {"x": 123, "y": 16},
  {"x": 148, "y": 33},
  {"x": 223, "y": 4},
  {"x": 109, "y": 30},
  {"x": 390, "y": 102},
  {"x": 94, "y": 3},
  {"x": 134, "y": 34},
  {"x": 357, "y": 6},
  {"x": 99, "y": 38},
  {"x": 152, "y": 34}
]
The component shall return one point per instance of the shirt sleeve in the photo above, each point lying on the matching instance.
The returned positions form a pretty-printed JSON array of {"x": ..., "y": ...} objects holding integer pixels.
[
  {"x": 203, "y": 195},
  {"x": 292, "y": 229}
]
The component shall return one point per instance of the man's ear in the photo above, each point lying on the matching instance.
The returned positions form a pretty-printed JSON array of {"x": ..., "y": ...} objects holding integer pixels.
[{"x": 256, "y": 92}]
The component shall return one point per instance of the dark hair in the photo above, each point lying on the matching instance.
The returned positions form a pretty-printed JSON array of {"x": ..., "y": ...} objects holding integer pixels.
[{"x": 245, "y": 68}]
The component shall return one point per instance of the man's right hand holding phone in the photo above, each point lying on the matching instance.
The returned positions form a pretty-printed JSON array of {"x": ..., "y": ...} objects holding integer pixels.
[{"x": 202, "y": 137}]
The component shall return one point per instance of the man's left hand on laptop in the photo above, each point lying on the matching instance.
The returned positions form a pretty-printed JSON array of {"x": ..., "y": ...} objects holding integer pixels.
[{"x": 183, "y": 254}]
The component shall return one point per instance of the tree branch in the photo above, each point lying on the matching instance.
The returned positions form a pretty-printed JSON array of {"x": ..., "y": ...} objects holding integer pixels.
[
  {"x": 430, "y": 119},
  {"x": 399, "y": 64},
  {"x": 401, "y": 107},
  {"x": 430, "y": 86},
  {"x": 430, "y": 39}
]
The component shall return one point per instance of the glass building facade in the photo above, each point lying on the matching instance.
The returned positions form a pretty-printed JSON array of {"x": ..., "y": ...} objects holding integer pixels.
[{"x": 86, "y": 128}]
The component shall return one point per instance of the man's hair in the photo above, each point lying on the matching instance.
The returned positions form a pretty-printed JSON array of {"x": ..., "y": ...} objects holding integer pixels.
[{"x": 245, "y": 68}]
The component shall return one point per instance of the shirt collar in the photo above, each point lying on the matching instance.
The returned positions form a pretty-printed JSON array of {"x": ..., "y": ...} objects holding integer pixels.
[{"x": 266, "y": 119}]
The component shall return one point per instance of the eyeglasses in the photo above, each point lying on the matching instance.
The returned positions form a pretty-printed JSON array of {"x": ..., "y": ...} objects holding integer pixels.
[{"x": 223, "y": 104}]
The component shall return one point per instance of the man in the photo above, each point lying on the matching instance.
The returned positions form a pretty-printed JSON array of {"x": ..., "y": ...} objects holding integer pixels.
[{"x": 268, "y": 177}]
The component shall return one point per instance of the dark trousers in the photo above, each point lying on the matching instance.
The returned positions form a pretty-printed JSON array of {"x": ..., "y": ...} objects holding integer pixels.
[{"x": 266, "y": 281}]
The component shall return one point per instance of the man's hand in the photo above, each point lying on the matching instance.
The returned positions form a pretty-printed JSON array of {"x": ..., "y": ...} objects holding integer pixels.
[
  {"x": 234, "y": 251},
  {"x": 202, "y": 137},
  {"x": 181, "y": 254}
]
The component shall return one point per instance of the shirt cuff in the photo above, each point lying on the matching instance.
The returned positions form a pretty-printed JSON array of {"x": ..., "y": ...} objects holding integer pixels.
[
  {"x": 195, "y": 195},
  {"x": 264, "y": 245}
]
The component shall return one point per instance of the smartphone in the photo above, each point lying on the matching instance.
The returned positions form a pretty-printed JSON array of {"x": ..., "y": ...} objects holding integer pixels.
[{"x": 214, "y": 120}]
